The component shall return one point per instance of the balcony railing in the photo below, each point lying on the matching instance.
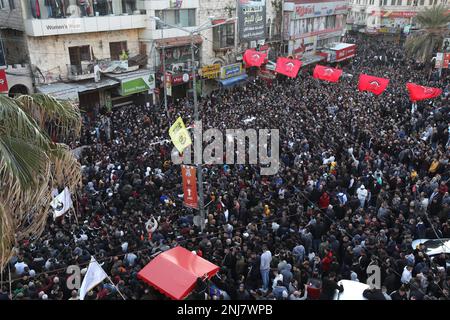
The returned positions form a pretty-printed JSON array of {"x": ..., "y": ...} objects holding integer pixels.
[{"x": 82, "y": 71}]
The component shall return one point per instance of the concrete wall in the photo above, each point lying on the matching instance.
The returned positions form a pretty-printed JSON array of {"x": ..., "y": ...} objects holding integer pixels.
[
  {"x": 51, "y": 54},
  {"x": 12, "y": 18},
  {"x": 19, "y": 75}
]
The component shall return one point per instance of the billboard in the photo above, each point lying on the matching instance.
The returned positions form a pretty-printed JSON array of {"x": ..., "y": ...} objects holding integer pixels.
[{"x": 252, "y": 19}]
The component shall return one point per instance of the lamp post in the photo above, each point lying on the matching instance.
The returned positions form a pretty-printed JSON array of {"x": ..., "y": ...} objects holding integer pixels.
[{"x": 192, "y": 33}]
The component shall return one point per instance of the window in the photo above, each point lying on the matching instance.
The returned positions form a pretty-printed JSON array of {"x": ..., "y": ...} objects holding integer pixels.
[
  {"x": 384, "y": 2},
  {"x": 177, "y": 17},
  {"x": 392, "y": 2},
  {"x": 422, "y": 2},
  {"x": 116, "y": 48},
  {"x": 330, "y": 22},
  {"x": 128, "y": 6},
  {"x": 223, "y": 36},
  {"x": 2, "y": 4},
  {"x": 12, "y": 6},
  {"x": 78, "y": 54},
  {"x": 399, "y": 2}
]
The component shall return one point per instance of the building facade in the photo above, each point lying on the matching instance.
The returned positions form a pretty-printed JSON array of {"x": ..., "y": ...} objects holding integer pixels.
[
  {"x": 386, "y": 16},
  {"x": 309, "y": 25},
  {"x": 77, "y": 49}
]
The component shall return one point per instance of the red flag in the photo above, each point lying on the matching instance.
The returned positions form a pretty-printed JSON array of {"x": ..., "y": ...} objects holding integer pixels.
[
  {"x": 254, "y": 58},
  {"x": 327, "y": 73},
  {"x": 288, "y": 67},
  {"x": 417, "y": 92},
  {"x": 372, "y": 84},
  {"x": 189, "y": 186}
]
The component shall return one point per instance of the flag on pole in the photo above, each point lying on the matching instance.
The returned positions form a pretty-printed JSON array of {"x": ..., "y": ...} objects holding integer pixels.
[
  {"x": 254, "y": 58},
  {"x": 327, "y": 73},
  {"x": 373, "y": 84},
  {"x": 288, "y": 67},
  {"x": 180, "y": 135},
  {"x": 418, "y": 92},
  {"x": 61, "y": 203},
  {"x": 94, "y": 275}
]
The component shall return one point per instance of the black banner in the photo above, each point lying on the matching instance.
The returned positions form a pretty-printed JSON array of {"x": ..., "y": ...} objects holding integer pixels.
[{"x": 252, "y": 19}]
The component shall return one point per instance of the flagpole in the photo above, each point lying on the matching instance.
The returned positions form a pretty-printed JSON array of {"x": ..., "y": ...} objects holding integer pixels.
[{"x": 117, "y": 288}]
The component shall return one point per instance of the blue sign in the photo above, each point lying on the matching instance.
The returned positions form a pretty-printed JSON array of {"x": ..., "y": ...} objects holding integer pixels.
[{"x": 230, "y": 71}]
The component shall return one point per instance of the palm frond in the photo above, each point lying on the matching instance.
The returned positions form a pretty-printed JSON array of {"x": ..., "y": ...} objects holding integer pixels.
[{"x": 62, "y": 116}]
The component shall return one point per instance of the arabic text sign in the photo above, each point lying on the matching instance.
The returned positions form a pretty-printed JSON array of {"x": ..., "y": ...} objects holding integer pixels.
[{"x": 252, "y": 20}]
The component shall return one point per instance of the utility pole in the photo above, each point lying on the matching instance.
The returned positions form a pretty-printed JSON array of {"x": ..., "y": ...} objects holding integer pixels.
[
  {"x": 196, "y": 118},
  {"x": 164, "y": 73},
  {"x": 196, "y": 113}
]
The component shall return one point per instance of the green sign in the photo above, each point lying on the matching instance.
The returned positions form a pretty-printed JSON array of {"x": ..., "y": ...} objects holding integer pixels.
[{"x": 140, "y": 84}]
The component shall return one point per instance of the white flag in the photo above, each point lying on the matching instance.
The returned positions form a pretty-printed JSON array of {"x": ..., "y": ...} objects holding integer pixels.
[
  {"x": 61, "y": 203},
  {"x": 94, "y": 275}
]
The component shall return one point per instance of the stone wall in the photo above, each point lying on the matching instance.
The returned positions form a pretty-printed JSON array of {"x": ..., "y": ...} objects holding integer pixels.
[
  {"x": 51, "y": 54},
  {"x": 12, "y": 18}
]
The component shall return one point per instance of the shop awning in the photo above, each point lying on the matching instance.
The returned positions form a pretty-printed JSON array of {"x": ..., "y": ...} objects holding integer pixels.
[
  {"x": 175, "y": 272},
  {"x": 177, "y": 41},
  {"x": 141, "y": 80},
  {"x": 92, "y": 86},
  {"x": 231, "y": 81},
  {"x": 69, "y": 91}
]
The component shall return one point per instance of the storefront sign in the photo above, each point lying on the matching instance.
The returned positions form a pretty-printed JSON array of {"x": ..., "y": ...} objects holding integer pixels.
[
  {"x": 392, "y": 14},
  {"x": 211, "y": 71},
  {"x": 252, "y": 19},
  {"x": 168, "y": 84},
  {"x": 181, "y": 78},
  {"x": 345, "y": 53},
  {"x": 230, "y": 71},
  {"x": 319, "y": 9},
  {"x": 3, "y": 82},
  {"x": 139, "y": 84}
]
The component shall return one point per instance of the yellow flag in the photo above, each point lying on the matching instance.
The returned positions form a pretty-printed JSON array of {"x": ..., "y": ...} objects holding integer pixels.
[{"x": 179, "y": 135}]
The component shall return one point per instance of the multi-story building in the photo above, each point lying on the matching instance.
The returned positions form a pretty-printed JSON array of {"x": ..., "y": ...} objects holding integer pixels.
[
  {"x": 65, "y": 46},
  {"x": 84, "y": 50},
  {"x": 312, "y": 24},
  {"x": 15, "y": 67},
  {"x": 388, "y": 17},
  {"x": 216, "y": 47}
]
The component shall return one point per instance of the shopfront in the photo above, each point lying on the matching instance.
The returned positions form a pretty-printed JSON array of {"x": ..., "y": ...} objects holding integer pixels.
[
  {"x": 208, "y": 75},
  {"x": 134, "y": 88},
  {"x": 232, "y": 75},
  {"x": 178, "y": 64}
]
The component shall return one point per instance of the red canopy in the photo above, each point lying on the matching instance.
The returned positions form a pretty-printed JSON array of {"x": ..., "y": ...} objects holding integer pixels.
[{"x": 175, "y": 271}]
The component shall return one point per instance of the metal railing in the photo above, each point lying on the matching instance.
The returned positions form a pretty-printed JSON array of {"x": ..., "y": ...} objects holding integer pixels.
[{"x": 80, "y": 70}]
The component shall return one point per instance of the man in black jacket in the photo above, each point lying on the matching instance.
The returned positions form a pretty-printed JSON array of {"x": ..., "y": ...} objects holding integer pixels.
[{"x": 329, "y": 287}]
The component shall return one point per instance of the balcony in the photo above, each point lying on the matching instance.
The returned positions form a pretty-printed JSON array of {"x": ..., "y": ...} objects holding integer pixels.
[
  {"x": 103, "y": 16},
  {"x": 82, "y": 71}
]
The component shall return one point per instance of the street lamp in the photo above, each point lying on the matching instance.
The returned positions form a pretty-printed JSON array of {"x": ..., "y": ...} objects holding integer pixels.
[{"x": 191, "y": 33}]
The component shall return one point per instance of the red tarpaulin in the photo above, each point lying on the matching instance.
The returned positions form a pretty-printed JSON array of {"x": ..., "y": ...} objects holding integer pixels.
[{"x": 175, "y": 272}]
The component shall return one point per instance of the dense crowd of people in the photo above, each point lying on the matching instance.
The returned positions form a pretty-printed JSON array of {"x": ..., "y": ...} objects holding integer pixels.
[{"x": 360, "y": 177}]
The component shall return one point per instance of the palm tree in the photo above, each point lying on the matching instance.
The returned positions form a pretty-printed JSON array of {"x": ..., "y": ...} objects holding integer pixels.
[
  {"x": 428, "y": 40},
  {"x": 31, "y": 164}
]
